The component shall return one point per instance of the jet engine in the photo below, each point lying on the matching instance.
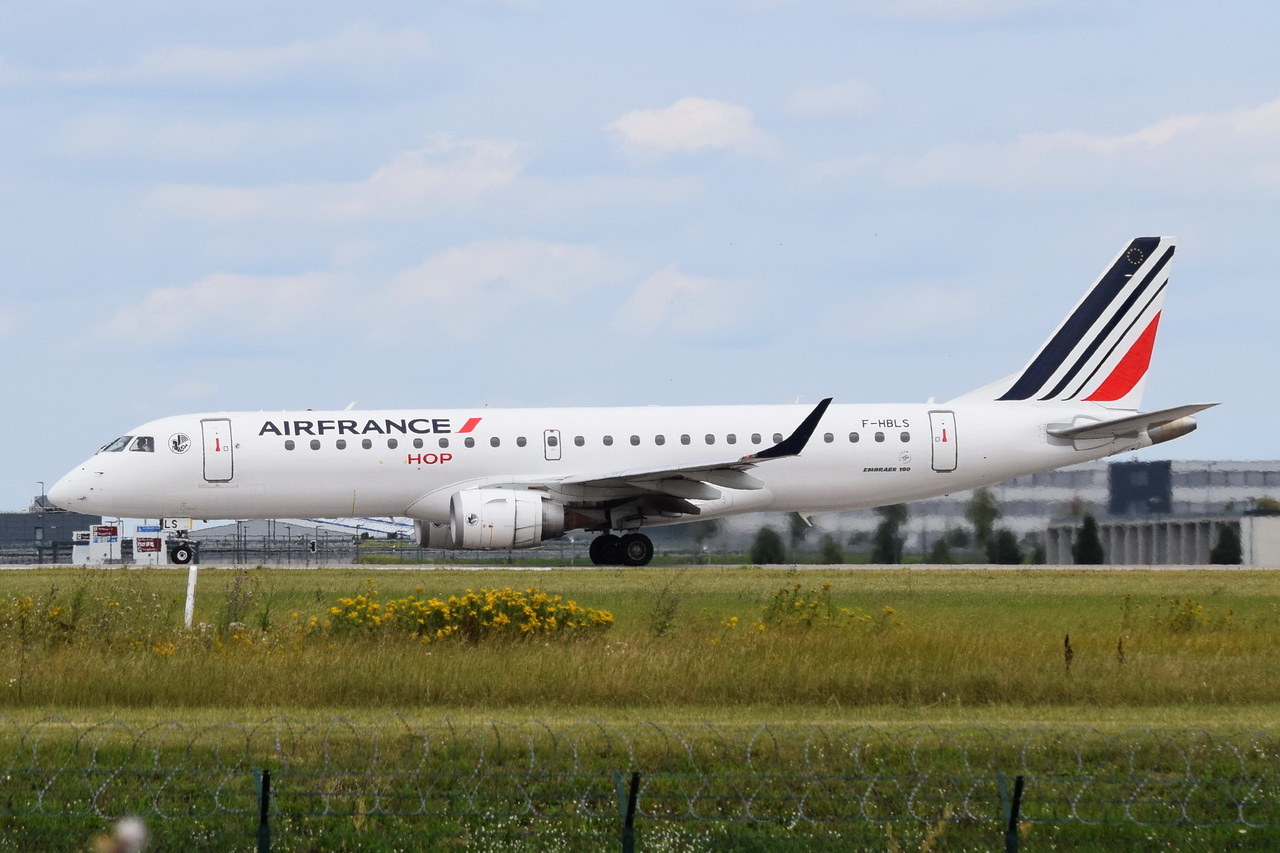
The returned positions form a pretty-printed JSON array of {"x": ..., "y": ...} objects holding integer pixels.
[{"x": 494, "y": 519}]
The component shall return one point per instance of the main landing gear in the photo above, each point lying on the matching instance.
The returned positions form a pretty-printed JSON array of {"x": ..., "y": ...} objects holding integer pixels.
[{"x": 633, "y": 549}]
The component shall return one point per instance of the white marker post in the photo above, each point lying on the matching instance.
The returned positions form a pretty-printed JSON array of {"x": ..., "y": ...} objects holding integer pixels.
[{"x": 191, "y": 593}]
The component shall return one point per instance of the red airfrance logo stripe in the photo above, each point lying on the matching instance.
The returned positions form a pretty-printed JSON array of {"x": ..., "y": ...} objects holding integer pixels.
[
  {"x": 1130, "y": 370},
  {"x": 471, "y": 424}
]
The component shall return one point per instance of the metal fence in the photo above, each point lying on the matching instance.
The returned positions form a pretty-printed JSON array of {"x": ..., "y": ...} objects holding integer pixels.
[{"x": 496, "y": 783}]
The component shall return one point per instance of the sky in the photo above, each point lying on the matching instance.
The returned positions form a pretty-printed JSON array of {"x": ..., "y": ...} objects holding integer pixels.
[{"x": 215, "y": 206}]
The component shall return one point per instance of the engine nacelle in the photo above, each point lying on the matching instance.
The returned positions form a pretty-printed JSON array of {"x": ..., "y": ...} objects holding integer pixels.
[
  {"x": 434, "y": 534},
  {"x": 498, "y": 519}
]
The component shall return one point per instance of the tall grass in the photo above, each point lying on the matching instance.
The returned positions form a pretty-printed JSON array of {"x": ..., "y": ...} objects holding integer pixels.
[{"x": 951, "y": 642}]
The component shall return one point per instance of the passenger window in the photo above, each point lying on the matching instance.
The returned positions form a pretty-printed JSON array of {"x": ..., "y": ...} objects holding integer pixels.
[
  {"x": 879, "y": 436},
  {"x": 711, "y": 439},
  {"x": 755, "y": 438},
  {"x": 635, "y": 441},
  {"x": 853, "y": 438},
  {"x": 288, "y": 445},
  {"x": 906, "y": 436},
  {"x": 392, "y": 443},
  {"x": 417, "y": 444},
  {"x": 521, "y": 442},
  {"x": 144, "y": 444},
  {"x": 444, "y": 442},
  {"x": 552, "y": 441},
  {"x": 659, "y": 440},
  {"x": 315, "y": 444},
  {"x": 731, "y": 438},
  {"x": 828, "y": 437},
  {"x": 367, "y": 443},
  {"x": 578, "y": 441},
  {"x": 608, "y": 441},
  {"x": 494, "y": 442},
  {"x": 777, "y": 438},
  {"x": 341, "y": 444},
  {"x": 684, "y": 439},
  {"x": 469, "y": 442}
]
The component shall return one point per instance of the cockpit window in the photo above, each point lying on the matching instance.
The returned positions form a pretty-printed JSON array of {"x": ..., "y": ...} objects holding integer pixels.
[
  {"x": 116, "y": 446},
  {"x": 144, "y": 444}
]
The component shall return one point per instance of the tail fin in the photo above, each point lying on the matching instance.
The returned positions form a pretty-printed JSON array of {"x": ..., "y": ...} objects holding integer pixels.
[{"x": 1101, "y": 352}]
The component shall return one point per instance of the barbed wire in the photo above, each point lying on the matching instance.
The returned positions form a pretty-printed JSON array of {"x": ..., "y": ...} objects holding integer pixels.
[{"x": 815, "y": 775}]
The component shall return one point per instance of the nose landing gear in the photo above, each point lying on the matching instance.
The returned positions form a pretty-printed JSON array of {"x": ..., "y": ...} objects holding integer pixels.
[{"x": 633, "y": 549}]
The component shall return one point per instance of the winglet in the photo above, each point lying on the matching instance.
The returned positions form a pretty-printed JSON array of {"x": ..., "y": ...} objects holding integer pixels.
[{"x": 794, "y": 443}]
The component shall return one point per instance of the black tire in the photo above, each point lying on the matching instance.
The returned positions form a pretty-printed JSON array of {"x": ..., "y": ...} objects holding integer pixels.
[
  {"x": 636, "y": 549},
  {"x": 606, "y": 550},
  {"x": 181, "y": 554}
]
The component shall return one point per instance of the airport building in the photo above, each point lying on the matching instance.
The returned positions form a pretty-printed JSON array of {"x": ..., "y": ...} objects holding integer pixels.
[{"x": 41, "y": 534}]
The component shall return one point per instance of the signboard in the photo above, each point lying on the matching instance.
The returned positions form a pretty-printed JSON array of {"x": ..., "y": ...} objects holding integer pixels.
[
  {"x": 105, "y": 533},
  {"x": 148, "y": 528},
  {"x": 174, "y": 524},
  {"x": 80, "y": 537},
  {"x": 147, "y": 545}
]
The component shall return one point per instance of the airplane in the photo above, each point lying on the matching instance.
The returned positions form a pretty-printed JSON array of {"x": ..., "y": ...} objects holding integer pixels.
[{"x": 500, "y": 479}]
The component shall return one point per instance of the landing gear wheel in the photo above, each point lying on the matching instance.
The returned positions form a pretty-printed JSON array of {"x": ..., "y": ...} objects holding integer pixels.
[
  {"x": 606, "y": 550},
  {"x": 181, "y": 554},
  {"x": 637, "y": 549}
]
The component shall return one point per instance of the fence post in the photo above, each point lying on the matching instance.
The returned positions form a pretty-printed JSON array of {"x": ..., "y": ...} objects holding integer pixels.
[
  {"x": 264, "y": 810},
  {"x": 1011, "y": 809},
  {"x": 628, "y": 808}
]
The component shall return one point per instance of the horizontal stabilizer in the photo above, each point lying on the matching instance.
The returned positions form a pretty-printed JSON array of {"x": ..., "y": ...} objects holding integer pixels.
[{"x": 1127, "y": 426}]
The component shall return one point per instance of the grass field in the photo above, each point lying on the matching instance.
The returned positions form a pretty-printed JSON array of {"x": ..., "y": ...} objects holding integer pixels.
[
  {"x": 739, "y": 645},
  {"x": 903, "y": 650}
]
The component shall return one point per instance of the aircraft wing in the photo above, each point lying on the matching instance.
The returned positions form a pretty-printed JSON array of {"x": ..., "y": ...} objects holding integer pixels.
[
  {"x": 1130, "y": 425},
  {"x": 697, "y": 480}
]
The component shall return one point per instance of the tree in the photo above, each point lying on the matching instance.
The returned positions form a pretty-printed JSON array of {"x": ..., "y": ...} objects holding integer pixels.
[
  {"x": 705, "y": 530},
  {"x": 1227, "y": 551},
  {"x": 886, "y": 541},
  {"x": 831, "y": 553},
  {"x": 768, "y": 548},
  {"x": 939, "y": 553},
  {"x": 798, "y": 528},
  {"x": 1002, "y": 548},
  {"x": 982, "y": 512},
  {"x": 1087, "y": 550}
]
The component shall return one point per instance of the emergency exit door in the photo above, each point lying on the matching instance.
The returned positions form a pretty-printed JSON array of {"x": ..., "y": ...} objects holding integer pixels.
[
  {"x": 943, "y": 426},
  {"x": 551, "y": 444},
  {"x": 219, "y": 464}
]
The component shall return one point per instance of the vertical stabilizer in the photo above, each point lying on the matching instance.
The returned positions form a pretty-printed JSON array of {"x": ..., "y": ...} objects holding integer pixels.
[{"x": 1101, "y": 352}]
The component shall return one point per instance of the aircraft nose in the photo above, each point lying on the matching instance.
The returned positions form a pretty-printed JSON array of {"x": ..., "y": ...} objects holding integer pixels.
[{"x": 68, "y": 491}]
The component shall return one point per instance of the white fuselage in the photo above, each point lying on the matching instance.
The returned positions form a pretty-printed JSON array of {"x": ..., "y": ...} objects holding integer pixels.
[{"x": 408, "y": 463}]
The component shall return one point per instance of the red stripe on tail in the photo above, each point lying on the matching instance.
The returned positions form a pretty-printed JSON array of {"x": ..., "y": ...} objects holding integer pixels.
[{"x": 1130, "y": 370}]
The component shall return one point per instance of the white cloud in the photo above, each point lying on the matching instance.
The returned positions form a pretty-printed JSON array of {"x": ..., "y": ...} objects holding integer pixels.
[
  {"x": 670, "y": 302},
  {"x": 360, "y": 52},
  {"x": 221, "y": 305},
  {"x": 691, "y": 125},
  {"x": 1231, "y": 152},
  {"x": 467, "y": 288},
  {"x": 445, "y": 172},
  {"x": 849, "y": 98}
]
